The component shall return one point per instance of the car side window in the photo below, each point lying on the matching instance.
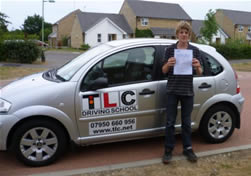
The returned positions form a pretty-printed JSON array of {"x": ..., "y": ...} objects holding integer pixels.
[
  {"x": 129, "y": 66},
  {"x": 95, "y": 73},
  {"x": 213, "y": 67}
]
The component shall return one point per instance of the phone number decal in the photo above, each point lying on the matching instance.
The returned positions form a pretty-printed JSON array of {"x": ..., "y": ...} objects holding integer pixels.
[{"x": 112, "y": 126}]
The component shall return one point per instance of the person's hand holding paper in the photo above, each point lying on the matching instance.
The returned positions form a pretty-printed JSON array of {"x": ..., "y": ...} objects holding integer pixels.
[{"x": 183, "y": 64}]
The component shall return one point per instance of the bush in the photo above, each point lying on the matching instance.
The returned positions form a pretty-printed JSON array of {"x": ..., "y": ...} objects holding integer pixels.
[
  {"x": 143, "y": 33},
  {"x": 234, "y": 49},
  {"x": 2, "y": 49},
  {"x": 19, "y": 51},
  {"x": 85, "y": 47},
  {"x": 65, "y": 40},
  {"x": 18, "y": 36}
]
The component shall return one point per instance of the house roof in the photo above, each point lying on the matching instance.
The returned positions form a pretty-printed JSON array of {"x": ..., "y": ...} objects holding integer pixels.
[
  {"x": 238, "y": 17},
  {"x": 53, "y": 35},
  {"x": 198, "y": 24},
  {"x": 163, "y": 31},
  {"x": 88, "y": 20},
  {"x": 75, "y": 11},
  {"x": 158, "y": 10}
]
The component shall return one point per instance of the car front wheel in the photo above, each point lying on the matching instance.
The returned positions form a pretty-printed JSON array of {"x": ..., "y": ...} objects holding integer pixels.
[
  {"x": 39, "y": 142},
  {"x": 218, "y": 124}
]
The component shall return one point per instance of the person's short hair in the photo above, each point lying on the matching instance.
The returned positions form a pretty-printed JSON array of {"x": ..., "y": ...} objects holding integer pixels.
[{"x": 184, "y": 25}]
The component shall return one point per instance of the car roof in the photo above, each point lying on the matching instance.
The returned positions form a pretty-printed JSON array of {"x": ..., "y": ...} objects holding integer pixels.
[
  {"x": 117, "y": 43},
  {"x": 142, "y": 41}
]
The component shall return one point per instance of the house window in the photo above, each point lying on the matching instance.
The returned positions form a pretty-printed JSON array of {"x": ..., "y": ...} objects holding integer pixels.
[
  {"x": 240, "y": 28},
  {"x": 112, "y": 37},
  {"x": 99, "y": 38},
  {"x": 144, "y": 21},
  {"x": 249, "y": 28}
]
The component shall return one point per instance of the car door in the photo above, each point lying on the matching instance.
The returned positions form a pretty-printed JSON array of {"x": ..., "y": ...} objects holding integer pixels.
[
  {"x": 127, "y": 106},
  {"x": 204, "y": 88}
]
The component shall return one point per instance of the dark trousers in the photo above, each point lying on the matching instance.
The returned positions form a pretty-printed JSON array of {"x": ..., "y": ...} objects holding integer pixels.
[{"x": 186, "y": 110}]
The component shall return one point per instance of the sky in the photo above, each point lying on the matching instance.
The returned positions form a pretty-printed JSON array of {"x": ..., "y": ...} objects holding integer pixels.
[{"x": 18, "y": 10}]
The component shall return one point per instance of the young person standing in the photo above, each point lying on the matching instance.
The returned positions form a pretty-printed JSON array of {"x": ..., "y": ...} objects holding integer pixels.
[{"x": 180, "y": 89}]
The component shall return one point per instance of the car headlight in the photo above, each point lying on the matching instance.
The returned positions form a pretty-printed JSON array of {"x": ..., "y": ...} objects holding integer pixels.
[{"x": 4, "y": 106}]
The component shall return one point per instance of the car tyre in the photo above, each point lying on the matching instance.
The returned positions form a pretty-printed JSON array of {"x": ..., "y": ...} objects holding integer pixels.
[
  {"x": 39, "y": 142},
  {"x": 217, "y": 124}
]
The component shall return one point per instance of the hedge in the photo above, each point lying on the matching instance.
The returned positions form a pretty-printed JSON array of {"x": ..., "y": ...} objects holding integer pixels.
[
  {"x": 143, "y": 33},
  {"x": 84, "y": 47},
  {"x": 234, "y": 50},
  {"x": 19, "y": 51}
]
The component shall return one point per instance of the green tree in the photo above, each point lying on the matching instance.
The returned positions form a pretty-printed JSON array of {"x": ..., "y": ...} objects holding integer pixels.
[
  {"x": 210, "y": 26},
  {"x": 3, "y": 22},
  {"x": 47, "y": 32},
  {"x": 33, "y": 25}
]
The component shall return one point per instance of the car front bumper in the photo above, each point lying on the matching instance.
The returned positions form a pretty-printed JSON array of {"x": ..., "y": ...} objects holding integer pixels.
[{"x": 6, "y": 123}]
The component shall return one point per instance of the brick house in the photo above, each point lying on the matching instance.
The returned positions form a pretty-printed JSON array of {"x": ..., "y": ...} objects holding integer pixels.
[
  {"x": 160, "y": 18},
  {"x": 95, "y": 28},
  {"x": 237, "y": 24},
  {"x": 62, "y": 29}
]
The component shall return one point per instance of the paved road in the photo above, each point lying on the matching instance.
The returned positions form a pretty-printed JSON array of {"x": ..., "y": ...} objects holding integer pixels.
[{"x": 138, "y": 150}]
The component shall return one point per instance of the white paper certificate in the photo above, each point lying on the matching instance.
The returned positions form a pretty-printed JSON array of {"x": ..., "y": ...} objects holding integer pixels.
[{"x": 183, "y": 65}]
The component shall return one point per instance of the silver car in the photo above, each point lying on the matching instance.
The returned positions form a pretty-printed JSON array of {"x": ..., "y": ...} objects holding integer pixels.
[{"x": 112, "y": 92}]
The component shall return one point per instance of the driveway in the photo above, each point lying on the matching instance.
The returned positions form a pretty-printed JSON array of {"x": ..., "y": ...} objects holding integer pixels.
[{"x": 131, "y": 151}]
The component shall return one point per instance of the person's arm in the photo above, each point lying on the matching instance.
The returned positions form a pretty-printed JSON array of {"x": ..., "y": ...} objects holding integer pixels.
[
  {"x": 196, "y": 62},
  {"x": 197, "y": 66},
  {"x": 170, "y": 62}
]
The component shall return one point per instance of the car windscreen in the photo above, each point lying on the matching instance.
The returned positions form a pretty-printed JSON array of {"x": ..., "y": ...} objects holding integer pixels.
[{"x": 69, "y": 69}]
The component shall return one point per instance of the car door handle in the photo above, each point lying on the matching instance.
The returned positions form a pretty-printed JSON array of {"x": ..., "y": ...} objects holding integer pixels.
[
  {"x": 147, "y": 92},
  {"x": 205, "y": 85}
]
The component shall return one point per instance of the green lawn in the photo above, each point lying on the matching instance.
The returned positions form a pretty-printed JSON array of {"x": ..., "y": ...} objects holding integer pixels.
[
  {"x": 242, "y": 66},
  {"x": 14, "y": 72}
]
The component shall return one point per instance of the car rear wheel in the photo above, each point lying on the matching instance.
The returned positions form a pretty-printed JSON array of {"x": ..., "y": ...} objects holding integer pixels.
[
  {"x": 217, "y": 124},
  {"x": 39, "y": 142}
]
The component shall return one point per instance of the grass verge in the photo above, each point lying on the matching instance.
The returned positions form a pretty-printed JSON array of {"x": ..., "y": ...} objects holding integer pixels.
[
  {"x": 246, "y": 66},
  {"x": 14, "y": 72},
  {"x": 228, "y": 164}
]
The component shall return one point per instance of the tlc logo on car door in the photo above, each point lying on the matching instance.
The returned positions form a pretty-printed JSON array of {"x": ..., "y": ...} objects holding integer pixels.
[{"x": 109, "y": 103}]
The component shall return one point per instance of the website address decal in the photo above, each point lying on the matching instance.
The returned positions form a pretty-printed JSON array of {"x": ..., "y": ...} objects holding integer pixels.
[{"x": 112, "y": 126}]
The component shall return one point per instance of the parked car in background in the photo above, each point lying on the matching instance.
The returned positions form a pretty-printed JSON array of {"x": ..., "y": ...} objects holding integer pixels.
[
  {"x": 40, "y": 43},
  {"x": 115, "y": 91},
  {"x": 37, "y": 42}
]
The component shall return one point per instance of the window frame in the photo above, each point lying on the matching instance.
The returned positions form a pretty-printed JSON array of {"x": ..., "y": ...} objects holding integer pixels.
[
  {"x": 207, "y": 69},
  {"x": 249, "y": 29},
  {"x": 240, "y": 28},
  {"x": 99, "y": 38},
  {"x": 102, "y": 61},
  {"x": 144, "y": 21}
]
